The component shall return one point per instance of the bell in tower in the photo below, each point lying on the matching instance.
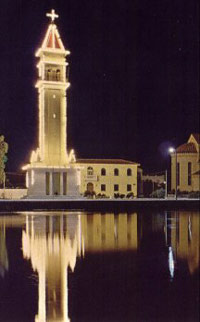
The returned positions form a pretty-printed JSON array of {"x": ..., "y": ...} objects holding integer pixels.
[{"x": 52, "y": 170}]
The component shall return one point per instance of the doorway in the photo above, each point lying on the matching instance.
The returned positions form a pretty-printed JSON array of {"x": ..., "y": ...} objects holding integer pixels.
[{"x": 90, "y": 187}]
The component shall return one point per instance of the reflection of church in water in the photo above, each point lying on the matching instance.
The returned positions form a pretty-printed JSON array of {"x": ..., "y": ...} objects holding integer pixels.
[
  {"x": 182, "y": 235},
  {"x": 53, "y": 243}
]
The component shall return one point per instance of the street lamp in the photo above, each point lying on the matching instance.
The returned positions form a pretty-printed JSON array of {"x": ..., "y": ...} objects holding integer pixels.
[
  {"x": 165, "y": 182},
  {"x": 173, "y": 150}
]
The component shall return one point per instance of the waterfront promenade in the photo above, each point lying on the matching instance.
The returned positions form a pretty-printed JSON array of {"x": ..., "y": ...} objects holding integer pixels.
[{"x": 98, "y": 204}]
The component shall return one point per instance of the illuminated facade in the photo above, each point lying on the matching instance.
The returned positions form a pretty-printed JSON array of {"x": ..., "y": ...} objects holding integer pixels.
[
  {"x": 52, "y": 171},
  {"x": 185, "y": 165},
  {"x": 109, "y": 177}
]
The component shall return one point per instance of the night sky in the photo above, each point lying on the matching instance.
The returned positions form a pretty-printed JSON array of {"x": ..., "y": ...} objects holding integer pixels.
[{"x": 133, "y": 74}]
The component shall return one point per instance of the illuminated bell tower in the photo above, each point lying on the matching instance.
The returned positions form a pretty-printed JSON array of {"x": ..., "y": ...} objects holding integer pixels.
[{"x": 52, "y": 171}]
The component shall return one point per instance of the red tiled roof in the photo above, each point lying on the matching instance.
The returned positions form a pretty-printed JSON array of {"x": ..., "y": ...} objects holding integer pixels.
[
  {"x": 56, "y": 42},
  {"x": 50, "y": 40},
  {"x": 197, "y": 137},
  {"x": 50, "y": 43},
  {"x": 186, "y": 148},
  {"x": 105, "y": 161}
]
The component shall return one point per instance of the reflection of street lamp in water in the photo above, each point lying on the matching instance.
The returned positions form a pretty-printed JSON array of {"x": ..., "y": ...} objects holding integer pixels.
[
  {"x": 171, "y": 262},
  {"x": 173, "y": 150}
]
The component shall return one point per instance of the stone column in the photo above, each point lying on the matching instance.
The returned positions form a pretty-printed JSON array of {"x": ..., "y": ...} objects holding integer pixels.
[
  {"x": 50, "y": 183},
  {"x": 61, "y": 183}
]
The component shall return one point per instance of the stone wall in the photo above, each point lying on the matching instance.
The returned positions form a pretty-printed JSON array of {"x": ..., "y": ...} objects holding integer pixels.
[{"x": 12, "y": 193}]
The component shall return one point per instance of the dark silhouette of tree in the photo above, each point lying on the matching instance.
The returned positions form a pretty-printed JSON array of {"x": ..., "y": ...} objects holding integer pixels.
[{"x": 3, "y": 158}]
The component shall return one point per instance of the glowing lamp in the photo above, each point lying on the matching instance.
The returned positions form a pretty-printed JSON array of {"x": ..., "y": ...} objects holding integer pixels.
[{"x": 172, "y": 150}]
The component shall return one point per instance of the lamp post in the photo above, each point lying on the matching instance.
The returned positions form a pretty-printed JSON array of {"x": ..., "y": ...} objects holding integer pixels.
[
  {"x": 173, "y": 150},
  {"x": 166, "y": 193}
]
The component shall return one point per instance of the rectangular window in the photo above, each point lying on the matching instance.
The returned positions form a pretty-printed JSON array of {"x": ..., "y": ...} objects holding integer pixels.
[
  {"x": 64, "y": 183},
  {"x": 189, "y": 173},
  {"x": 103, "y": 187},
  {"x": 56, "y": 183},
  {"x": 129, "y": 188},
  {"x": 178, "y": 174},
  {"x": 47, "y": 183},
  {"x": 116, "y": 187}
]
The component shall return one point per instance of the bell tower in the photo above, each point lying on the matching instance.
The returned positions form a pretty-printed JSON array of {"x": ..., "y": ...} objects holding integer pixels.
[
  {"x": 52, "y": 86},
  {"x": 52, "y": 170}
]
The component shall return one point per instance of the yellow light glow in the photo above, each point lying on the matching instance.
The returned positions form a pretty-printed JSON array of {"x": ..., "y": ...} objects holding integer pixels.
[
  {"x": 51, "y": 62},
  {"x": 78, "y": 177},
  {"x": 52, "y": 15},
  {"x": 32, "y": 177},
  {"x": 72, "y": 157},
  {"x": 27, "y": 180},
  {"x": 47, "y": 156},
  {"x": 51, "y": 256}
]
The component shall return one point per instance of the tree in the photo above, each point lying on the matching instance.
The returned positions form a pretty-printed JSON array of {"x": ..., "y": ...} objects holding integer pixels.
[
  {"x": 160, "y": 193},
  {"x": 3, "y": 158}
]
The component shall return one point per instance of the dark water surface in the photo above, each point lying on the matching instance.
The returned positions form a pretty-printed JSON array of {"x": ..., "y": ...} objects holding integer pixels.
[{"x": 92, "y": 267}]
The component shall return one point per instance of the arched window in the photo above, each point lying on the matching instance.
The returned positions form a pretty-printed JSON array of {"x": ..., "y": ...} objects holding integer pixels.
[
  {"x": 103, "y": 172},
  {"x": 58, "y": 74},
  {"x": 129, "y": 172},
  {"x": 90, "y": 171},
  {"x": 116, "y": 172}
]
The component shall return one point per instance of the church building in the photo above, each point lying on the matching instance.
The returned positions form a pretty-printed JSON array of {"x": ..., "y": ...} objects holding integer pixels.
[
  {"x": 53, "y": 171},
  {"x": 185, "y": 165}
]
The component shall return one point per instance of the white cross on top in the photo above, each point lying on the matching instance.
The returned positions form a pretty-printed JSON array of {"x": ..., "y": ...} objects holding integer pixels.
[{"x": 52, "y": 15}]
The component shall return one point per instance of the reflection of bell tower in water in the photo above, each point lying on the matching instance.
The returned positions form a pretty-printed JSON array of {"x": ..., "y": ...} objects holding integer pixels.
[
  {"x": 52, "y": 171},
  {"x": 52, "y": 244}
]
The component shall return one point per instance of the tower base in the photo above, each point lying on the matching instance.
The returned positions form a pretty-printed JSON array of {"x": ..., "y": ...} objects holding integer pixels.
[{"x": 48, "y": 182}]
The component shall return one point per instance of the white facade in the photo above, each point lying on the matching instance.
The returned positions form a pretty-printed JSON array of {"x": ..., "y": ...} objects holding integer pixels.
[{"x": 13, "y": 193}]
